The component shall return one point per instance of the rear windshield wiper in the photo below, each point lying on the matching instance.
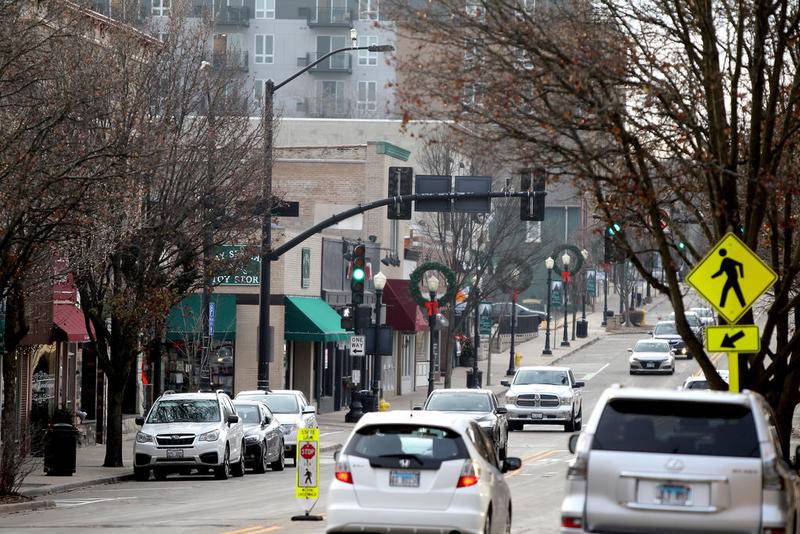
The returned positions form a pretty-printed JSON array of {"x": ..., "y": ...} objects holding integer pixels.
[{"x": 414, "y": 457}]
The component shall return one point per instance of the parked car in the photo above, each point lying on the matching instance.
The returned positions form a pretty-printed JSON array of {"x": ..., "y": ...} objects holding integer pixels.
[
  {"x": 651, "y": 356},
  {"x": 697, "y": 325},
  {"x": 544, "y": 396},
  {"x": 700, "y": 382},
  {"x": 417, "y": 471},
  {"x": 503, "y": 309},
  {"x": 706, "y": 315},
  {"x": 667, "y": 331},
  {"x": 292, "y": 410},
  {"x": 263, "y": 439},
  {"x": 189, "y": 430},
  {"x": 656, "y": 461},
  {"x": 481, "y": 405}
]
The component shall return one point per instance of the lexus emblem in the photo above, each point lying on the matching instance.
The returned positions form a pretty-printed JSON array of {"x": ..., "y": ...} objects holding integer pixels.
[
  {"x": 405, "y": 463},
  {"x": 674, "y": 464}
]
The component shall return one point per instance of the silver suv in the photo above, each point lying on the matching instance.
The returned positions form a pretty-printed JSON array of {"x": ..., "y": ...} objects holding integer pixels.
[
  {"x": 658, "y": 461},
  {"x": 544, "y": 396}
]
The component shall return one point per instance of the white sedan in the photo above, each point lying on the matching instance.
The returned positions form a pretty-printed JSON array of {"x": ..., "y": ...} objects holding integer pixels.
[
  {"x": 421, "y": 472},
  {"x": 652, "y": 356}
]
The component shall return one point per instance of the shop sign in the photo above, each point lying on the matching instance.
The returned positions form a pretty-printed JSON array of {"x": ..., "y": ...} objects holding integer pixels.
[
  {"x": 42, "y": 387},
  {"x": 305, "y": 268},
  {"x": 244, "y": 274}
]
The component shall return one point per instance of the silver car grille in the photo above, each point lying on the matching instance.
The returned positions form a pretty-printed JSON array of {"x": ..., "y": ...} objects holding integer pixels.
[
  {"x": 542, "y": 400},
  {"x": 175, "y": 439}
]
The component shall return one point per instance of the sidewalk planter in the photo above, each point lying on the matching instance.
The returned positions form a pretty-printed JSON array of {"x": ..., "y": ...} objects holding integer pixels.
[
  {"x": 60, "y": 450},
  {"x": 636, "y": 317}
]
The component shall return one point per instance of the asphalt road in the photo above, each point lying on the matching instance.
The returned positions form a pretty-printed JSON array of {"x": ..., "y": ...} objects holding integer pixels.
[{"x": 259, "y": 504}]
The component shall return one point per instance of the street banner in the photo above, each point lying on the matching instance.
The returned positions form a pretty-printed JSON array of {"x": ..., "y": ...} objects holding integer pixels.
[
  {"x": 485, "y": 318},
  {"x": 591, "y": 283},
  {"x": 307, "y": 462},
  {"x": 555, "y": 294}
]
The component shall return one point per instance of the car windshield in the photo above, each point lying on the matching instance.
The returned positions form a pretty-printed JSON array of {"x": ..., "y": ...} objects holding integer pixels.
[
  {"x": 677, "y": 427},
  {"x": 702, "y": 312},
  {"x": 459, "y": 402},
  {"x": 419, "y": 442},
  {"x": 665, "y": 329},
  {"x": 185, "y": 411},
  {"x": 651, "y": 346},
  {"x": 552, "y": 378},
  {"x": 248, "y": 413},
  {"x": 698, "y": 384},
  {"x": 277, "y": 403},
  {"x": 691, "y": 318}
]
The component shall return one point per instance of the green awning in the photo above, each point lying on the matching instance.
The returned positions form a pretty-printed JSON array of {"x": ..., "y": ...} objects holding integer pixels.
[
  {"x": 183, "y": 321},
  {"x": 311, "y": 319}
]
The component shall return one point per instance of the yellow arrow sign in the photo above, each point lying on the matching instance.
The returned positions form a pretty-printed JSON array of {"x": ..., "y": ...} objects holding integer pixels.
[
  {"x": 735, "y": 338},
  {"x": 731, "y": 277}
]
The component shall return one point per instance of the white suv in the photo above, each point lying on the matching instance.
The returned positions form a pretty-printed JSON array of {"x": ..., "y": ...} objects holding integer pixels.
[
  {"x": 189, "y": 431},
  {"x": 656, "y": 461}
]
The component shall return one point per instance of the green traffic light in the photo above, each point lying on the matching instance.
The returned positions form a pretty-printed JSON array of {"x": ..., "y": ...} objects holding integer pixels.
[
  {"x": 681, "y": 245},
  {"x": 358, "y": 274},
  {"x": 613, "y": 229}
]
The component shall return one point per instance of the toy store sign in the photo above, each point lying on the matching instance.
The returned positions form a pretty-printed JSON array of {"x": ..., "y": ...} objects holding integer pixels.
[{"x": 244, "y": 272}]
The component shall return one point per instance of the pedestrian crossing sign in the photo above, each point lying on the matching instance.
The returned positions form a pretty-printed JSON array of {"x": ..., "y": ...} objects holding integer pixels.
[
  {"x": 731, "y": 277},
  {"x": 307, "y": 464}
]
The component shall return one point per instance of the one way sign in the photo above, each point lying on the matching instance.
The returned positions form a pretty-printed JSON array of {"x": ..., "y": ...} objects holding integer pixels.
[{"x": 733, "y": 338}]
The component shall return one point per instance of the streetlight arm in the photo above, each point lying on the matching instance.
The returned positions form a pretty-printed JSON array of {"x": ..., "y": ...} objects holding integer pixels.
[{"x": 371, "y": 48}]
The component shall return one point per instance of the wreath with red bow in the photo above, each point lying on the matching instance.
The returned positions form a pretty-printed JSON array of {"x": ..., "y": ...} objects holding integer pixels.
[{"x": 416, "y": 279}]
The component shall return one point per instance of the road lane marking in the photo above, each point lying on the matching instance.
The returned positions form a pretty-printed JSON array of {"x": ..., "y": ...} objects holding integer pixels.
[
  {"x": 329, "y": 433},
  {"x": 273, "y": 528},
  {"x": 528, "y": 460},
  {"x": 714, "y": 360},
  {"x": 588, "y": 377},
  {"x": 246, "y": 530}
]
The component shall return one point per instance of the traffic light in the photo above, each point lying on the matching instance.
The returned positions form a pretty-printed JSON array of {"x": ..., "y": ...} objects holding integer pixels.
[
  {"x": 532, "y": 209},
  {"x": 681, "y": 245},
  {"x": 614, "y": 229},
  {"x": 400, "y": 183},
  {"x": 348, "y": 318},
  {"x": 612, "y": 252},
  {"x": 358, "y": 273}
]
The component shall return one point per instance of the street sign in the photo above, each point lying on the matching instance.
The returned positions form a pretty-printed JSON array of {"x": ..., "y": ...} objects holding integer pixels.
[
  {"x": 733, "y": 338},
  {"x": 731, "y": 277},
  {"x": 358, "y": 345},
  {"x": 485, "y": 324},
  {"x": 591, "y": 283},
  {"x": 211, "y": 317},
  {"x": 307, "y": 462}
]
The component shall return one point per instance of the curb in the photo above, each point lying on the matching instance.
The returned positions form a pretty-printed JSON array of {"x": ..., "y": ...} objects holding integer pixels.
[
  {"x": 69, "y": 486},
  {"x": 573, "y": 351},
  {"x": 28, "y": 506}
]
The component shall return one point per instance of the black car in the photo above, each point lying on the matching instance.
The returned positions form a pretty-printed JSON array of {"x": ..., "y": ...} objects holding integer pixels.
[
  {"x": 263, "y": 439},
  {"x": 480, "y": 404}
]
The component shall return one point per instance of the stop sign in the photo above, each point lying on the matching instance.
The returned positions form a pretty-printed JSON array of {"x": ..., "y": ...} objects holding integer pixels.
[{"x": 308, "y": 451}]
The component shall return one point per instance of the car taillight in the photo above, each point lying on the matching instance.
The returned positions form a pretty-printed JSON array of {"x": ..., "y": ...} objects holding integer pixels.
[
  {"x": 342, "y": 472},
  {"x": 470, "y": 475},
  {"x": 577, "y": 468},
  {"x": 571, "y": 522},
  {"x": 774, "y": 530}
]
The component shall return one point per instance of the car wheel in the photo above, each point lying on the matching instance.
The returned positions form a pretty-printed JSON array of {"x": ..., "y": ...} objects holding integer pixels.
[
  {"x": 569, "y": 426},
  {"x": 280, "y": 463},
  {"x": 514, "y": 426},
  {"x": 502, "y": 452},
  {"x": 140, "y": 474},
  {"x": 238, "y": 468},
  {"x": 261, "y": 464},
  {"x": 487, "y": 524},
  {"x": 223, "y": 471},
  {"x": 508, "y": 521},
  {"x": 160, "y": 474},
  {"x": 578, "y": 422}
]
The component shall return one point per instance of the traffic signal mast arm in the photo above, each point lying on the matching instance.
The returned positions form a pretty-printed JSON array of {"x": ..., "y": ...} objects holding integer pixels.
[{"x": 277, "y": 252}]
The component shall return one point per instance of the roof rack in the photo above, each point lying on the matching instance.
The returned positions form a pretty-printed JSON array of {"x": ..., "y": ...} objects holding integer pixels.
[{"x": 169, "y": 392}]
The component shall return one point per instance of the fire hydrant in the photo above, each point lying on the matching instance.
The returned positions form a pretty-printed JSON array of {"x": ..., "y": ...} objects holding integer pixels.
[
  {"x": 517, "y": 359},
  {"x": 384, "y": 406}
]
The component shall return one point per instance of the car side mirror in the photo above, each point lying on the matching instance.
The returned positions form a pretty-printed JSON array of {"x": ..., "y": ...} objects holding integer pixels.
[
  {"x": 336, "y": 456},
  {"x": 630, "y": 350},
  {"x": 505, "y": 383},
  {"x": 233, "y": 419},
  {"x": 309, "y": 409},
  {"x": 579, "y": 384},
  {"x": 139, "y": 421},
  {"x": 501, "y": 410},
  {"x": 511, "y": 463},
  {"x": 417, "y": 408},
  {"x": 572, "y": 444},
  {"x": 650, "y": 332}
]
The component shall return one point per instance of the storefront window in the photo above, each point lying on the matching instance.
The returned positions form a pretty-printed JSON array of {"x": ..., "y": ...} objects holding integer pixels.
[{"x": 182, "y": 357}]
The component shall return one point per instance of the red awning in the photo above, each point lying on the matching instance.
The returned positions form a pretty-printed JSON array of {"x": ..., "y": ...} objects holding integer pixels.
[
  {"x": 69, "y": 319},
  {"x": 402, "y": 313}
]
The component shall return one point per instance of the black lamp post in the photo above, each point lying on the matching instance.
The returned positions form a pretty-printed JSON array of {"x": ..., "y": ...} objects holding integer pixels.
[
  {"x": 605, "y": 295},
  {"x": 433, "y": 286},
  {"x": 475, "y": 383},
  {"x": 511, "y": 364},
  {"x": 565, "y": 274},
  {"x": 549, "y": 263},
  {"x": 379, "y": 281},
  {"x": 585, "y": 254}
]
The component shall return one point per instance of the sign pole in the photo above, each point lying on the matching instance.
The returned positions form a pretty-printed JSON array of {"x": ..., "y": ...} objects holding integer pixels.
[{"x": 733, "y": 372}]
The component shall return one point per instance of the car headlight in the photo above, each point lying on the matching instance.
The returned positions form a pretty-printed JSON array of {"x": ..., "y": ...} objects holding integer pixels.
[
  {"x": 683, "y": 350},
  {"x": 565, "y": 400},
  {"x": 209, "y": 436},
  {"x": 251, "y": 439},
  {"x": 511, "y": 398},
  {"x": 288, "y": 428},
  {"x": 141, "y": 437}
]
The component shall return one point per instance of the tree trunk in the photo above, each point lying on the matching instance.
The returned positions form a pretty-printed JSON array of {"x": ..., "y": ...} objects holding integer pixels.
[
  {"x": 8, "y": 472},
  {"x": 116, "y": 389}
]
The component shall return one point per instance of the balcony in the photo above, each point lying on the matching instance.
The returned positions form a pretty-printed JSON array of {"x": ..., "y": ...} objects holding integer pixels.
[
  {"x": 341, "y": 63},
  {"x": 328, "y": 17},
  {"x": 231, "y": 60},
  {"x": 233, "y": 16},
  {"x": 329, "y": 107}
]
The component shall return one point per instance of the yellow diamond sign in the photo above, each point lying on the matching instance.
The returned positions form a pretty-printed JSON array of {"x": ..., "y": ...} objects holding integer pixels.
[{"x": 731, "y": 277}]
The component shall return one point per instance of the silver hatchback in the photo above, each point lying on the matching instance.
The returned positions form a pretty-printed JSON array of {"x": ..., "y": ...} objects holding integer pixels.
[{"x": 664, "y": 461}]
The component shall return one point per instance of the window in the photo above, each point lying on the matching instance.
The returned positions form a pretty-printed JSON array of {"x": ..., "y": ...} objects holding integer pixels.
[
  {"x": 365, "y": 57},
  {"x": 331, "y": 99},
  {"x": 265, "y": 51},
  {"x": 545, "y": 377},
  {"x": 367, "y": 100},
  {"x": 328, "y": 43},
  {"x": 426, "y": 446},
  {"x": 161, "y": 8},
  {"x": 533, "y": 232},
  {"x": 258, "y": 92},
  {"x": 368, "y": 9},
  {"x": 185, "y": 411},
  {"x": 459, "y": 402},
  {"x": 475, "y": 9},
  {"x": 265, "y": 9},
  {"x": 482, "y": 443}
]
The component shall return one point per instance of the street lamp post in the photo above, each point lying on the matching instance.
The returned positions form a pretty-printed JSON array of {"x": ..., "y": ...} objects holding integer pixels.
[
  {"x": 379, "y": 280},
  {"x": 511, "y": 366},
  {"x": 433, "y": 287},
  {"x": 203, "y": 371},
  {"x": 549, "y": 263},
  {"x": 585, "y": 254},
  {"x": 565, "y": 259},
  {"x": 476, "y": 345},
  {"x": 267, "y": 120},
  {"x": 605, "y": 295}
]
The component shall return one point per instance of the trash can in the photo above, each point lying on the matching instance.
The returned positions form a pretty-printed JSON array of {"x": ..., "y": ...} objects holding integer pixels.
[
  {"x": 474, "y": 379},
  {"x": 369, "y": 401},
  {"x": 60, "y": 449},
  {"x": 582, "y": 328}
]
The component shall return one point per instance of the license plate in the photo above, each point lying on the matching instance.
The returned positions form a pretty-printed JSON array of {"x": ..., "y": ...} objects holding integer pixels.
[
  {"x": 650, "y": 365},
  {"x": 537, "y": 416},
  {"x": 404, "y": 479},
  {"x": 674, "y": 494},
  {"x": 174, "y": 453}
]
